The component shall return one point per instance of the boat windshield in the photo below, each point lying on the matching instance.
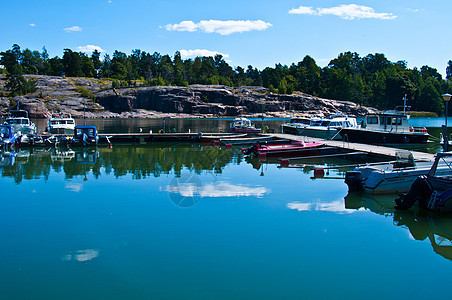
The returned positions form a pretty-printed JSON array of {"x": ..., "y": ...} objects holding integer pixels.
[
  {"x": 300, "y": 121},
  {"x": 61, "y": 122},
  {"x": 444, "y": 162},
  {"x": 17, "y": 121},
  {"x": 242, "y": 123}
]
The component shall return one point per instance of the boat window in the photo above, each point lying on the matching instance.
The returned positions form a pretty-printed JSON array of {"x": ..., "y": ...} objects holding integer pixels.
[
  {"x": 325, "y": 123},
  {"x": 372, "y": 120},
  {"x": 316, "y": 123},
  {"x": 396, "y": 121}
]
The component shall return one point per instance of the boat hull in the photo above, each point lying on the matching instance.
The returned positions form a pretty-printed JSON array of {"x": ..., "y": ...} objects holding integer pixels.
[
  {"x": 247, "y": 130},
  {"x": 286, "y": 150},
  {"x": 381, "y": 137}
]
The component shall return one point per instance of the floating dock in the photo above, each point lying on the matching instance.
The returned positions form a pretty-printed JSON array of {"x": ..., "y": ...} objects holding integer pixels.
[{"x": 366, "y": 148}]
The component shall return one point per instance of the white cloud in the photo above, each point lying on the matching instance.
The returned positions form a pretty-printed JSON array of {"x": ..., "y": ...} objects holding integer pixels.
[
  {"x": 221, "y": 27},
  {"x": 303, "y": 10},
  {"x": 89, "y": 48},
  {"x": 32, "y": 24},
  {"x": 200, "y": 52},
  {"x": 182, "y": 26},
  {"x": 73, "y": 28},
  {"x": 345, "y": 11}
]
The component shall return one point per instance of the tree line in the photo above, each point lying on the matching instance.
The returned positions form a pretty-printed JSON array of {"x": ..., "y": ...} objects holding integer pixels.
[{"x": 371, "y": 80}]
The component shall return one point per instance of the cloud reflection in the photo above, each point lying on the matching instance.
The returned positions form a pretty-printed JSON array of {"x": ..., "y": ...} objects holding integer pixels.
[
  {"x": 74, "y": 187},
  {"x": 81, "y": 255},
  {"x": 337, "y": 206},
  {"x": 218, "y": 189}
]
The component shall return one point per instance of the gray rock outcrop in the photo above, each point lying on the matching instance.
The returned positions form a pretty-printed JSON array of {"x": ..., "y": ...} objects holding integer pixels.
[{"x": 96, "y": 98}]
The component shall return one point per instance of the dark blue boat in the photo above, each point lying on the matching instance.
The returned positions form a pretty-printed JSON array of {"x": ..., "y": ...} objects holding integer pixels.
[{"x": 85, "y": 135}]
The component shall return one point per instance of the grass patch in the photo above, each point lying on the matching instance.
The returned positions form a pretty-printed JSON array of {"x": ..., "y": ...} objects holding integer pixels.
[{"x": 423, "y": 114}]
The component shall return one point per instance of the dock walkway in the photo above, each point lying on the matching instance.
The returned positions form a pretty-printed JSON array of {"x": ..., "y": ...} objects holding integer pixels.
[{"x": 379, "y": 150}]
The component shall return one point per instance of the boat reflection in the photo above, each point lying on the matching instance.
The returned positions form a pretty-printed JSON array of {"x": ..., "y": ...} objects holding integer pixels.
[{"x": 422, "y": 225}]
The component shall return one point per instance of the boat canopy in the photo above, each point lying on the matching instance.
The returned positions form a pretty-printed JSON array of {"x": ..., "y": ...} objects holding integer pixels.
[
  {"x": 5, "y": 131},
  {"x": 89, "y": 130}
]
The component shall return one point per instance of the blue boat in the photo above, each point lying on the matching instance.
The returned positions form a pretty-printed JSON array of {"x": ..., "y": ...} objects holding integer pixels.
[
  {"x": 85, "y": 135},
  {"x": 8, "y": 137}
]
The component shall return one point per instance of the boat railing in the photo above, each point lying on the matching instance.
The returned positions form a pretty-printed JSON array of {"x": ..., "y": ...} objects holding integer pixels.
[{"x": 418, "y": 129}]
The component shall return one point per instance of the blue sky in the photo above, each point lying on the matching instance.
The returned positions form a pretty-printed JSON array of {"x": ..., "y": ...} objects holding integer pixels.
[{"x": 258, "y": 33}]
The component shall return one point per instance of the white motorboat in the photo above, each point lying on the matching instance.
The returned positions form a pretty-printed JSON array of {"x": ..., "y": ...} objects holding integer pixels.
[
  {"x": 61, "y": 124},
  {"x": 20, "y": 123},
  {"x": 296, "y": 125},
  {"x": 329, "y": 128},
  {"x": 395, "y": 177},
  {"x": 243, "y": 125}
]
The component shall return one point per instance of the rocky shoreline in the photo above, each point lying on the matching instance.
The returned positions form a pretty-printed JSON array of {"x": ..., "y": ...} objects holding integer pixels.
[{"x": 95, "y": 98}]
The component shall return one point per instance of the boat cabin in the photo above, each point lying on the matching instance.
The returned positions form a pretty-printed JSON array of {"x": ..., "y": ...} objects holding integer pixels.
[
  {"x": 241, "y": 122},
  {"x": 335, "y": 122},
  {"x": 17, "y": 121},
  {"x": 300, "y": 120},
  {"x": 62, "y": 122},
  {"x": 387, "y": 122}
]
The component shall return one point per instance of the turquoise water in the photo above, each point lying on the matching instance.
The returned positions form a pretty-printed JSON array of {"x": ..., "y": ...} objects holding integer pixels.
[{"x": 187, "y": 221}]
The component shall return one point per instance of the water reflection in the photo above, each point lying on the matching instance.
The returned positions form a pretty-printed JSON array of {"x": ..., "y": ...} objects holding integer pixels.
[
  {"x": 422, "y": 225},
  {"x": 217, "y": 189},
  {"x": 140, "y": 161},
  {"x": 333, "y": 206}
]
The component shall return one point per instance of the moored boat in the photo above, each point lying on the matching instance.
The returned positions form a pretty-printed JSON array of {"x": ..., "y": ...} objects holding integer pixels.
[
  {"x": 392, "y": 177},
  {"x": 432, "y": 191},
  {"x": 329, "y": 128},
  {"x": 8, "y": 138},
  {"x": 243, "y": 125},
  {"x": 61, "y": 124},
  {"x": 20, "y": 123},
  {"x": 296, "y": 125},
  {"x": 390, "y": 127},
  {"x": 284, "y": 150},
  {"x": 84, "y": 135}
]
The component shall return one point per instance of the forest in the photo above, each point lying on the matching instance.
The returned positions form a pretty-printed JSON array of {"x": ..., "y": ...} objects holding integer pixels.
[{"x": 372, "y": 80}]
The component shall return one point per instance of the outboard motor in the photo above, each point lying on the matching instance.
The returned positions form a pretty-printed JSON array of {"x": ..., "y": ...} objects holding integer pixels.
[
  {"x": 420, "y": 192},
  {"x": 354, "y": 180}
]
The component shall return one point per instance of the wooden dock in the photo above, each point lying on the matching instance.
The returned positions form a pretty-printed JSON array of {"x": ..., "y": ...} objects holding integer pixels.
[{"x": 371, "y": 149}]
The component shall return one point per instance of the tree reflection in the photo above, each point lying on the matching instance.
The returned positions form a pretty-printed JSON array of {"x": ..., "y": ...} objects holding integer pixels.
[{"x": 139, "y": 161}]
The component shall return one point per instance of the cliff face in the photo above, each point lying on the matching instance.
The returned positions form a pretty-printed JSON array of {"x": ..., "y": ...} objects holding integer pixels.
[{"x": 57, "y": 94}]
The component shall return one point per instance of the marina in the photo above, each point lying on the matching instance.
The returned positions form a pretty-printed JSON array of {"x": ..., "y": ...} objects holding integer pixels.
[{"x": 154, "y": 205}]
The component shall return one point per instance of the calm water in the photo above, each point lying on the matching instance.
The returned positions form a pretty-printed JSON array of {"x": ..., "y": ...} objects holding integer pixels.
[{"x": 187, "y": 221}]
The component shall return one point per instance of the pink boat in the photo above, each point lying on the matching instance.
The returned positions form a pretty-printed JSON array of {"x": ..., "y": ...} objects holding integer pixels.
[{"x": 285, "y": 150}]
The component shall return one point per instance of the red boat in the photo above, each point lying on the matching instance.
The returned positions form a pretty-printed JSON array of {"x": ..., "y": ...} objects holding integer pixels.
[{"x": 285, "y": 150}]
